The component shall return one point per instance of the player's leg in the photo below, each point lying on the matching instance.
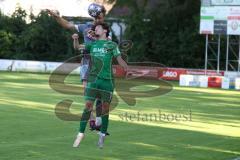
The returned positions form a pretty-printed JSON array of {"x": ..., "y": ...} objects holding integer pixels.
[
  {"x": 85, "y": 116},
  {"x": 98, "y": 112},
  {"x": 83, "y": 76},
  {"x": 105, "y": 117},
  {"x": 95, "y": 123},
  {"x": 107, "y": 87},
  {"x": 104, "y": 126},
  {"x": 90, "y": 94},
  {"x": 83, "y": 123}
]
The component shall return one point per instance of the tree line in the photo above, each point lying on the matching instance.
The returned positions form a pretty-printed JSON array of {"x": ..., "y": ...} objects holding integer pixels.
[
  {"x": 41, "y": 39},
  {"x": 165, "y": 34}
]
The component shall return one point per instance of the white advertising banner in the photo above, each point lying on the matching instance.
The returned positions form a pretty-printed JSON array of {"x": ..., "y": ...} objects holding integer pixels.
[
  {"x": 64, "y": 67},
  {"x": 231, "y": 74},
  {"x": 225, "y": 83},
  {"x": 51, "y": 66},
  {"x": 185, "y": 80},
  {"x": 203, "y": 81},
  {"x": 6, "y": 65},
  {"x": 233, "y": 25},
  {"x": 237, "y": 83},
  {"x": 194, "y": 80},
  {"x": 207, "y": 25},
  {"x": 76, "y": 71},
  {"x": 223, "y": 20},
  {"x": 38, "y": 66},
  {"x": 28, "y": 66},
  {"x": 225, "y": 2}
]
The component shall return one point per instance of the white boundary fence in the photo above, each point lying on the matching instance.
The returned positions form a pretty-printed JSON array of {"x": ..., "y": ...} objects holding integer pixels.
[
  {"x": 230, "y": 80},
  {"x": 32, "y": 66}
]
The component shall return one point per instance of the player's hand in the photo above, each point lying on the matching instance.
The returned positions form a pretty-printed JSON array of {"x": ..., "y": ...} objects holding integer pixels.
[
  {"x": 54, "y": 13},
  {"x": 81, "y": 47},
  {"x": 75, "y": 36},
  {"x": 91, "y": 34}
]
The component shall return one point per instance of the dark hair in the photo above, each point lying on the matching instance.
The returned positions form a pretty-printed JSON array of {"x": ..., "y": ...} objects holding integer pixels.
[
  {"x": 105, "y": 26},
  {"x": 103, "y": 10}
]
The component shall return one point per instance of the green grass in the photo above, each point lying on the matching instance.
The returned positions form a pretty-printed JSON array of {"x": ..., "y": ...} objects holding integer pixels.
[{"x": 30, "y": 129}]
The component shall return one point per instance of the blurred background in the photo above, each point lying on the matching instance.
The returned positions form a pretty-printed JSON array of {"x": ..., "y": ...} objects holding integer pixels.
[{"x": 163, "y": 31}]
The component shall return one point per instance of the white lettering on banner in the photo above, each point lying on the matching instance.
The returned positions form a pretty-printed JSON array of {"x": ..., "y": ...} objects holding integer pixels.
[
  {"x": 137, "y": 73},
  {"x": 171, "y": 74},
  {"x": 142, "y": 72},
  {"x": 202, "y": 72}
]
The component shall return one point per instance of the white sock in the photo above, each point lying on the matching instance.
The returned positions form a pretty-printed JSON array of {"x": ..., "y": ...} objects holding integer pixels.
[
  {"x": 98, "y": 121},
  {"x": 102, "y": 134},
  {"x": 80, "y": 134}
]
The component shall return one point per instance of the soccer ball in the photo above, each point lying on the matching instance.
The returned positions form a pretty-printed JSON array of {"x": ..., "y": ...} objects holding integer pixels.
[{"x": 94, "y": 10}]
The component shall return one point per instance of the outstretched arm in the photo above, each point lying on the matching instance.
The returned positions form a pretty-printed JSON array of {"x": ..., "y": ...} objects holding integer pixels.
[
  {"x": 76, "y": 44},
  {"x": 122, "y": 63},
  {"x": 64, "y": 23}
]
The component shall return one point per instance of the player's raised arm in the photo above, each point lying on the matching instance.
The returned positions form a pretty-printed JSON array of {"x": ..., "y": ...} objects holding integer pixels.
[
  {"x": 122, "y": 62},
  {"x": 75, "y": 41},
  {"x": 64, "y": 23}
]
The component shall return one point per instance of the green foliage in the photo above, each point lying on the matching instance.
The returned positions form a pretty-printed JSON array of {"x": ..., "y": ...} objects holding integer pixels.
[
  {"x": 168, "y": 35},
  {"x": 41, "y": 39},
  {"x": 46, "y": 40},
  {"x": 6, "y": 42},
  {"x": 17, "y": 23}
]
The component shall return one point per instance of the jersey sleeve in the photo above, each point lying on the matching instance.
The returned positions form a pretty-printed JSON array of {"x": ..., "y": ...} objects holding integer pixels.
[
  {"x": 81, "y": 27},
  {"x": 116, "y": 51},
  {"x": 88, "y": 46}
]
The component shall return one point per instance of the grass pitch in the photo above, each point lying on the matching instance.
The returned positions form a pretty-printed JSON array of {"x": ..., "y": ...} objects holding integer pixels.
[{"x": 185, "y": 124}]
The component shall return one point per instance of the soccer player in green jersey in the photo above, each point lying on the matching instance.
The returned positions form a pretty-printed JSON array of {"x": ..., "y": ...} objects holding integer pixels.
[
  {"x": 100, "y": 79},
  {"x": 98, "y": 12}
]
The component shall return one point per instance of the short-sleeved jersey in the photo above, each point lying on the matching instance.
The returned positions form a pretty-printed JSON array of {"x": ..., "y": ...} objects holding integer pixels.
[
  {"x": 102, "y": 52},
  {"x": 84, "y": 28}
]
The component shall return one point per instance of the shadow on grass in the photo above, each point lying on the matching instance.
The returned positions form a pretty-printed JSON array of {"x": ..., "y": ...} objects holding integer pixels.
[{"x": 38, "y": 135}]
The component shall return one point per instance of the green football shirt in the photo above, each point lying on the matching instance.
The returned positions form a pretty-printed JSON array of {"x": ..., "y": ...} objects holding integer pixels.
[{"x": 102, "y": 53}]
